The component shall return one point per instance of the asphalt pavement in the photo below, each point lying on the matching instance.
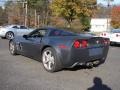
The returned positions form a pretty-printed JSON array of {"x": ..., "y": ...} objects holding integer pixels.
[{"x": 22, "y": 73}]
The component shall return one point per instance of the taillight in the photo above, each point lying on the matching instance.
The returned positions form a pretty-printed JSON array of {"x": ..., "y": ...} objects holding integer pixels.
[
  {"x": 77, "y": 44},
  {"x": 80, "y": 44},
  {"x": 104, "y": 34},
  {"x": 117, "y": 35},
  {"x": 84, "y": 44}
]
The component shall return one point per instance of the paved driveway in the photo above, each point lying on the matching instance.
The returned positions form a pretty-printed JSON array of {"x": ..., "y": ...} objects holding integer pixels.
[{"x": 21, "y": 73}]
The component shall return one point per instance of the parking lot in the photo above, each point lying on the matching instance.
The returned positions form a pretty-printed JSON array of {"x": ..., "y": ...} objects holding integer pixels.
[{"x": 22, "y": 73}]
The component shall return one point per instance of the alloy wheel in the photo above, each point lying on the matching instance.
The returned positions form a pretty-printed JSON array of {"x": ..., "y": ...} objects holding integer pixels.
[
  {"x": 48, "y": 60},
  {"x": 12, "y": 48},
  {"x": 9, "y": 35}
]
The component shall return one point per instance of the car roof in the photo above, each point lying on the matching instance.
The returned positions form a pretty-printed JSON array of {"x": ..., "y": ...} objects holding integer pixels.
[{"x": 13, "y": 25}]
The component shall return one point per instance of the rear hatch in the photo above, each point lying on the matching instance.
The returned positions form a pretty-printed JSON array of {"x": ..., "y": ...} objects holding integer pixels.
[{"x": 91, "y": 48}]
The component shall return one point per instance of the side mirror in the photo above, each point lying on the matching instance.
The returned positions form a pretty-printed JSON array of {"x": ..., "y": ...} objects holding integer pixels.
[{"x": 25, "y": 36}]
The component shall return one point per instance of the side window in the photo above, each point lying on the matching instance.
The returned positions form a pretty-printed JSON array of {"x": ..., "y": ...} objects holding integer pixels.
[
  {"x": 38, "y": 33},
  {"x": 15, "y": 27},
  {"x": 65, "y": 33},
  {"x": 23, "y": 27},
  {"x": 61, "y": 33},
  {"x": 55, "y": 33}
]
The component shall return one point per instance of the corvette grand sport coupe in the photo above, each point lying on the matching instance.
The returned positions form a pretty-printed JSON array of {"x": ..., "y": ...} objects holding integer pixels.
[{"x": 58, "y": 49}]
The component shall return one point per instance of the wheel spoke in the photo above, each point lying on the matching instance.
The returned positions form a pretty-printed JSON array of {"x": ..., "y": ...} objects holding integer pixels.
[
  {"x": 12, "y": 47},
  {"x": 49, "y": 65},
  {"x": 10, "y": 35},
  {"x": 45, "y": 58},
  {"x": 48, "y": 60},
  {"x": 52, "y": 59}
]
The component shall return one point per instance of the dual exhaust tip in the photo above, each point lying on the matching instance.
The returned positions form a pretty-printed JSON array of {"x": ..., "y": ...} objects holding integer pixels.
[
  {"x": 88, "y": 64},
  {"x": 91, "y": 64}
]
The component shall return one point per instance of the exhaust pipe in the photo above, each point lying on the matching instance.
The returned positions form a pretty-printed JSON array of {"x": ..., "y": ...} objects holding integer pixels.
[{"x": 89, "y": 64}]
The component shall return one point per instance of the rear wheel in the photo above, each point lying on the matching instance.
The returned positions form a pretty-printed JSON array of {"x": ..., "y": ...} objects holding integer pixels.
[
  {"x": 3, "y": 38},
  {"x": 112, "y": 43},
  {"x": 9, "y": 35},
  {"x": 12, "y": 48},
  {"x": 50, "y": 61}
]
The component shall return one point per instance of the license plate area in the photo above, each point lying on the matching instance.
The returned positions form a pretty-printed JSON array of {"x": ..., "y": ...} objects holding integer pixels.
[{"x": 95, "y": 51}]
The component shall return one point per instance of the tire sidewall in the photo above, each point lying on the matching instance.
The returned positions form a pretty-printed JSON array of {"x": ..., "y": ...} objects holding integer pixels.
[
  {"x": 7, "y": 33},
  {"x": 57, "y": 64},
  {"x": 14, "y": 52}
]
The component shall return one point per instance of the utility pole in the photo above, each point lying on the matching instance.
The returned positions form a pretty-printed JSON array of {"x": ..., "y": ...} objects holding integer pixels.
[
  {"x": 25, "y": 5},
  {"x": 38, "y": 18},
  {"x": 35, "y": 18},
  {"x": 108, "y": 18},
  {"x": 109, "y": 11}
]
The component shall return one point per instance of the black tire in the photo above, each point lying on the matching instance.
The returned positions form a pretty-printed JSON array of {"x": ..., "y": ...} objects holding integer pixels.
[
  {"x": 9, "y": 35},
  {"x": 12, "y": 48},
  {"x": 112, "y": 43},
  {"x": 3, "y": 37},
  {"x": 57, "y": 64}
]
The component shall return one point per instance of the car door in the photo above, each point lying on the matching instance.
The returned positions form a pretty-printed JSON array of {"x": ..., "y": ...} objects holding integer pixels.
[
  {"x": 22, "y": 30},
  {"x": 32, "y": 44},
  {"x": 14, "y": 29}
]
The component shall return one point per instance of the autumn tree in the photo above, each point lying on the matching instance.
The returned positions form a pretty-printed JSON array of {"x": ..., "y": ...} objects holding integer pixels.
[
  {"x": 14, "y": 12},
  {"x": 115, "y": 16},
  {"x": 73, "y": 9},
  {"x": 3, "y": 16}
]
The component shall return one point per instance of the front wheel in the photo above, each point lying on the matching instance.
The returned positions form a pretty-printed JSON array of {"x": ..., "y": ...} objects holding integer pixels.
[
  {"x": 50, "y": 61},
  {"x": 9, "y": 35},
  {"x": 12, "y": 48}
]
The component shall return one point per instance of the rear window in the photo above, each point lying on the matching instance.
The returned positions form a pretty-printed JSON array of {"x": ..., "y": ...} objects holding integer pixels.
[
  {"x": 115, "y": 31},
  {"x": 15, "y": 27},
  {"x": 23, "y": 27},
  {"x": 61, "y": 33}
]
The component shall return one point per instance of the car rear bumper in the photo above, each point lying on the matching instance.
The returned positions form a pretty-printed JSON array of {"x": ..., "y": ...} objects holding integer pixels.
[
  {"x": 84, "y": 56},
  {"x": 116, "y": 42}
]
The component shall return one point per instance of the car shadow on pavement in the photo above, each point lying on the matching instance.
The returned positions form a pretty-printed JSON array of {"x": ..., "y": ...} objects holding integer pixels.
[
  {"x": 98, "y": 85},
  {"x": 115, "y": 45}
]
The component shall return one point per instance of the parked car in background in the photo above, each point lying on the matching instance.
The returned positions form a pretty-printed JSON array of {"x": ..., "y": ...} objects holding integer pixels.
[
  {"x": 59, "y": 49},
  {"x": 113, "y": 35},
  {"x": 10, "y": 31}
]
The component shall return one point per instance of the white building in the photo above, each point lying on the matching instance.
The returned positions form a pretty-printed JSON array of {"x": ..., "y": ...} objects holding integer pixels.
[{"x": 100, "y": 24}]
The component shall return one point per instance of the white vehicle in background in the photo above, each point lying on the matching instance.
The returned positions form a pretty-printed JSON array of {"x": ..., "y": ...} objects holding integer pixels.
[
  {"x": 10, "y": 31},
  {"x": 113, "y": 35}
]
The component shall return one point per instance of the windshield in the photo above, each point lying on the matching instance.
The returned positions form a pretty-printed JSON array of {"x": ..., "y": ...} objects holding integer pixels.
[{"x": 115, "y": 31}]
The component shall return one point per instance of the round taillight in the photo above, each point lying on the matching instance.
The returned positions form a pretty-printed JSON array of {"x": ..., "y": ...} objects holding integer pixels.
[
  {"x": 104, "y": 34},
  {"x": 84, "y": 43},
  {"x": 76, "y": 44},
  {"x": 117, "y": 35}
]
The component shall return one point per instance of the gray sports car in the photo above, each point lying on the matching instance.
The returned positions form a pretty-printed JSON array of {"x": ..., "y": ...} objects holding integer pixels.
[{"x": 58, "y": 49}]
